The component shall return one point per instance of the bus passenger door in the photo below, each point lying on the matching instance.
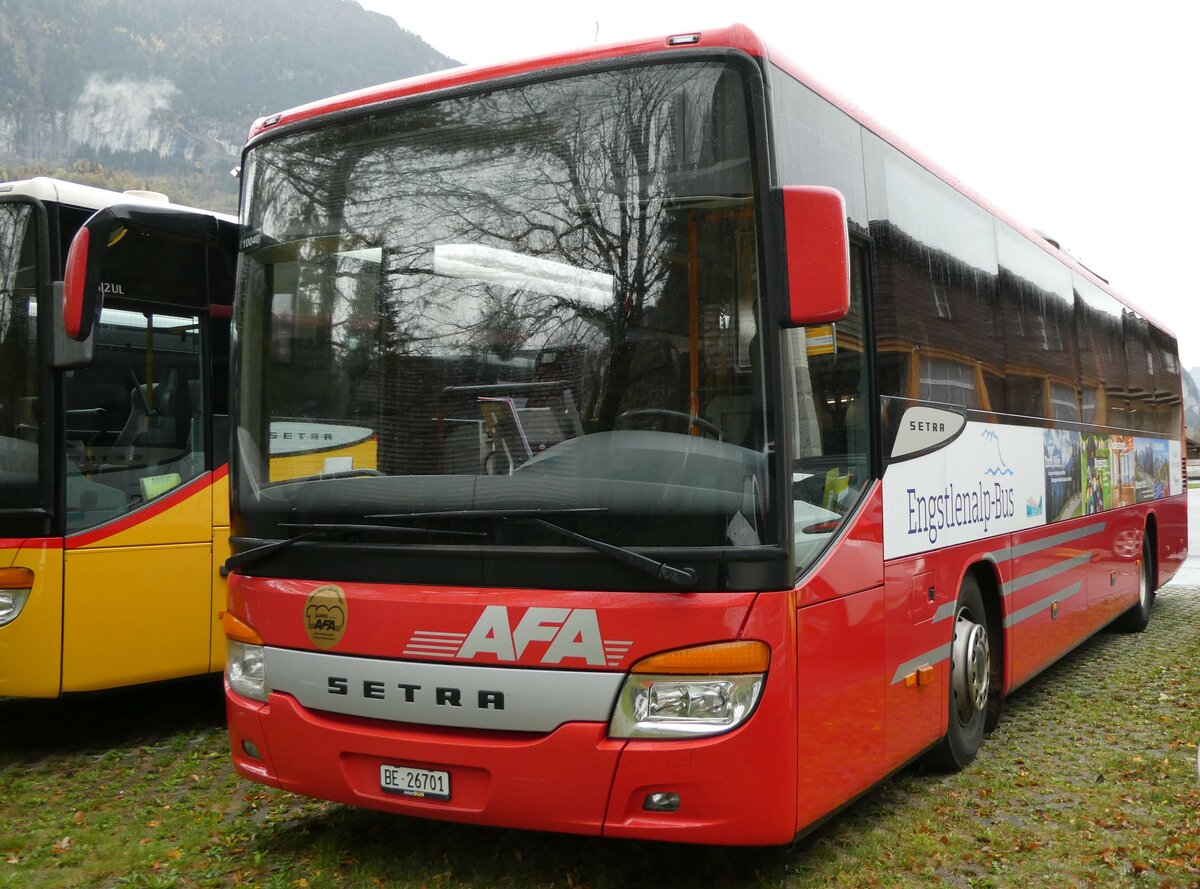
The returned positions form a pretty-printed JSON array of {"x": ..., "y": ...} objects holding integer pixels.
[
  {"x": 138, "y": 555},
  {"x": 837, "y": 520}
]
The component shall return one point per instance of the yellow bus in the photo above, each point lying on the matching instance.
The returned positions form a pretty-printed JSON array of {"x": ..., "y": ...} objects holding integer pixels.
[{"x": 114, "y": 514}]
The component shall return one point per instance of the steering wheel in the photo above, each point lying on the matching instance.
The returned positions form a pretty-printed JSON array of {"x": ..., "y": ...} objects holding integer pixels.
[{"x": 677, "y": 416}]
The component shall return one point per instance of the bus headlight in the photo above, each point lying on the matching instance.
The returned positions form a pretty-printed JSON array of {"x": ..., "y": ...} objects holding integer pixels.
[
  {"x": 245, "y": 666},
  {"x": 246, "y": 670},
  {"x": 691, "y": 692},
  {"x": 15, "y": 584},
  {"x": 11, "y": 603}
]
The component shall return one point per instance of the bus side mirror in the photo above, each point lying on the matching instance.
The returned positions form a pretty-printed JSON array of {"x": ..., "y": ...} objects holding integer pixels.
[
  {"x": 817, "y": 249},
  {"x": 81, "y": 300},
  {"x": 67, "y": 353}
]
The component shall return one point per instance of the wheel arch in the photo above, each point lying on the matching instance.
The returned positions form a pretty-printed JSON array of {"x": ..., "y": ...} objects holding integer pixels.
[
  {"x": 987, "y": 575},
  {"x": 1150, "y": 545}
]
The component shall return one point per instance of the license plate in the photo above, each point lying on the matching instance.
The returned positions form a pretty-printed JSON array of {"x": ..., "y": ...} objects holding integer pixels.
[{"x": 421, "y": 783}]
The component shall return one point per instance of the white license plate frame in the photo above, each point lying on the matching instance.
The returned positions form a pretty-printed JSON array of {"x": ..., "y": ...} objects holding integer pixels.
[{"x": 413, "y": 782}]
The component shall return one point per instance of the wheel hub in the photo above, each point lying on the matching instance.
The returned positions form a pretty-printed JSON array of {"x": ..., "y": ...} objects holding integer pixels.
[{"x": 971, "y": 667}]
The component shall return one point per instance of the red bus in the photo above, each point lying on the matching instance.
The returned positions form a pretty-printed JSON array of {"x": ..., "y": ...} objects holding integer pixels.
[{"x": 727, "y": 455}]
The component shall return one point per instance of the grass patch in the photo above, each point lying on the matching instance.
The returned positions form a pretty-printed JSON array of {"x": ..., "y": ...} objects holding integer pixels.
[{"x": 1090, "y": 780}]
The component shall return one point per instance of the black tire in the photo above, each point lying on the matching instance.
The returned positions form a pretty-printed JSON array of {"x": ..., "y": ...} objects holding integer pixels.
[
  {"x": 1137, "y": 618},
  {"x": 972, "y": 690}
]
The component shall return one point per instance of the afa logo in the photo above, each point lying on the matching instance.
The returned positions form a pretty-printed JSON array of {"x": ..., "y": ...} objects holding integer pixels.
[{"x": 325, "y": 616}]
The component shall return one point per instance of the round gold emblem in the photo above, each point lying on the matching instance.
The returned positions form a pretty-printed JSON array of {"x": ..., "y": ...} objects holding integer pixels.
[{"x": 325, "y": 616}]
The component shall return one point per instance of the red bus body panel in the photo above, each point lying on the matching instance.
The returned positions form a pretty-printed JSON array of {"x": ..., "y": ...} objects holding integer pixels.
[
  {"x": 836, "y": 714},
  {"x": 574, "y": 778}
]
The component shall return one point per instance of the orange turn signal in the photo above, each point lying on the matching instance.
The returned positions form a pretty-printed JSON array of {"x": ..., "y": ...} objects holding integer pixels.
[
  {"x": 16, "y": 579},
  {"x": 238, "y": 630},
  {"x": 722, "y": 658}
]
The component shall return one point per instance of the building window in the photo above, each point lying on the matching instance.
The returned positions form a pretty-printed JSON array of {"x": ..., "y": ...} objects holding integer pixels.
[
  {"x": 1062, "y": 402},
  {"x": 942, "y": 300},
  {"x": 948, "y": 382}
]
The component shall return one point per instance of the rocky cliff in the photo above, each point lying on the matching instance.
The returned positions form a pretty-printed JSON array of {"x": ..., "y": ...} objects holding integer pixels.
[{"x": 162, "y": 92}]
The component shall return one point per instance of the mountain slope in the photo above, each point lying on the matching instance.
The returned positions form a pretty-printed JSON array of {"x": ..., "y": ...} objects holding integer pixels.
[{"x": 165, "y": 90}]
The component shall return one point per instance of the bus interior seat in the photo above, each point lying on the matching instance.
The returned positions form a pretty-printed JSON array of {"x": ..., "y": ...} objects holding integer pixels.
[
  {"x": 27, "y": 426},
  {"x": 462, "y": 450},
  {"x": 733, "y": 415},
  {"x": 195, "y": 417},
  {"x": 138, "y": 421}
]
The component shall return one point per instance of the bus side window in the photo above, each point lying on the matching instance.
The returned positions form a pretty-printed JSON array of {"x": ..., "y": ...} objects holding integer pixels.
[
  {"x": 830, "y": 423},
  {"x": 133, "y": 432}
]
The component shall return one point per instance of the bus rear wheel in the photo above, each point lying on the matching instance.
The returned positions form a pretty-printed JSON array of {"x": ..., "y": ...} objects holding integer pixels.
[
  {"x": 1137, "y": 618},
  {"x": 970, "y": 682}
]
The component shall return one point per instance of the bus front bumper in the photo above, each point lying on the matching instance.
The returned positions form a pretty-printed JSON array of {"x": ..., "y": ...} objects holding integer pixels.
[{"x": 574, "y": 779}]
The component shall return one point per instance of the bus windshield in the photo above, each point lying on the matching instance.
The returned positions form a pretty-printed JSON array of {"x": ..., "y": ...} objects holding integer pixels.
[
  {"x": 541, "y": 298},
  {"x": 19, "y": 378}
]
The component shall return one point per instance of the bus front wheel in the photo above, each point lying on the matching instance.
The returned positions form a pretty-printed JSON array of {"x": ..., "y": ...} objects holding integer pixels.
[{"x": 970, "y": 682}]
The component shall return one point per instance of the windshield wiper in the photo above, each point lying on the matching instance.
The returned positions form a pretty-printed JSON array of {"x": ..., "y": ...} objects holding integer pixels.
[
  {"x": 350, "y": 528},
  {"x": 313, "y": 529},
  {"x": 684, "y": 578},
  {"x": 250, "y": 556},
  {"x": 492, "y": 513},
  {"x": 680, "y": 577},
  {"x": 342, "y": 473}
]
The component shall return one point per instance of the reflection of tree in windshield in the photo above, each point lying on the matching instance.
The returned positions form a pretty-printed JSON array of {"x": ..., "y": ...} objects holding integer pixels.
[
  {"x": 590, "y": 235},
  {"x": 19, "y": 381}
]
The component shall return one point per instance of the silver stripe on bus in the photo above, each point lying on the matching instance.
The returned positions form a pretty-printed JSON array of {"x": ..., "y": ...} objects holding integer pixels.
[
  {"x": 943, "y": 652},
  {"x": 428, "y": 642},
  {"x": 944, "y": 612},
  {"x": 1037, "y": 607},
  {"x": 614, "y": 652},
  {"x": 1036, "y": 546},
  {"x": 939, "y": 654},
  {"x": 455, "y": 695},
  {"x": 430, "y": 648},
  {"x": 1028, "y": 580},
  {"x": 1024, "y": 549}
]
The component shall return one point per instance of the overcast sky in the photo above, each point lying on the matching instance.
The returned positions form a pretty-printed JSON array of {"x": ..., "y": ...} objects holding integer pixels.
[{"x": 1076, "y": 118}]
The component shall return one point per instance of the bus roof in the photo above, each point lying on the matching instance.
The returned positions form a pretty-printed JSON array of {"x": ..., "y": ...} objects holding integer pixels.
[
  {"x": 59, "y": 191},
  {"x": 733, "y": 37},
  {"x": 737, "y": 37}
]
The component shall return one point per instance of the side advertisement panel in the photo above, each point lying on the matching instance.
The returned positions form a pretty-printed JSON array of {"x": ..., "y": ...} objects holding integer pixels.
[{"x": 994, "y": 479}]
